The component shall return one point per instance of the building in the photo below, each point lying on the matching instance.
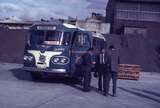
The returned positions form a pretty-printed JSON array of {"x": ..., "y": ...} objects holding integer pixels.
[
  {"x": 97, "y": 16},
  {"x": 135, "y": 31},
  {"x": 134, "y": 17},
  {"x": 94, "y": 26},
  {"x": 96, "y": 23}
]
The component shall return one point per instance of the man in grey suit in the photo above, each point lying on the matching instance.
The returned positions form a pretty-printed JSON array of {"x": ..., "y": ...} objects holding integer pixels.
[{"x": 113, "y": 65}]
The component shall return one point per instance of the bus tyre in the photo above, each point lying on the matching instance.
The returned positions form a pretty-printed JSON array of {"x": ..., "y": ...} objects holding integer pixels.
[
  {"x": 87, "y": 81},
  {"x": 35, "y": 76}
]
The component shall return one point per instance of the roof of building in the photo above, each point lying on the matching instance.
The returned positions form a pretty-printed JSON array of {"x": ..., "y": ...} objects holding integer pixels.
[
  {"x": 151, "y": 1},
  {"x": 16, "y": 22}
]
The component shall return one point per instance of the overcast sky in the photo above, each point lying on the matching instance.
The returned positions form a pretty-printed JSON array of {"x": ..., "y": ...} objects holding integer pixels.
[{"x": 36, "y": 9}]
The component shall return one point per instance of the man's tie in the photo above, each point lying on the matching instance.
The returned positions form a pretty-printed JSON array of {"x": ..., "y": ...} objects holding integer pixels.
[{"x": 103, "y": 58}]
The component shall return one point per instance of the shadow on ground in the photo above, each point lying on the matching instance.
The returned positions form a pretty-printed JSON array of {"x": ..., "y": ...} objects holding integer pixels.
[
  {"x": 45, "y": 77},
  {"x": 148, "y": 92},
  {"x": 50, "y": 78},
  {"x": 142, "y": 95}
]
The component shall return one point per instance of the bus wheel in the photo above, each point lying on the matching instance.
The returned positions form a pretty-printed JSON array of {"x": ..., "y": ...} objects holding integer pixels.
[
  {"x": 87, "y": 81},
  {"x": 35, "y": 76}
]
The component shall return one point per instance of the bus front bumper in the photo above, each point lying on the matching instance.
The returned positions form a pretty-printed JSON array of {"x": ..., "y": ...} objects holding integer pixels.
[{"x": 44, "y": 70}]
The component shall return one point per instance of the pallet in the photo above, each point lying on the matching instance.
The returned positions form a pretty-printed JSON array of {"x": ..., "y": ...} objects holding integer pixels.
[{"x": 129, "y": 72}]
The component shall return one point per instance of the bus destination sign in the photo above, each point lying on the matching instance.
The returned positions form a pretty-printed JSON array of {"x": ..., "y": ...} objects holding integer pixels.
[{"x": 46, "y": 27}]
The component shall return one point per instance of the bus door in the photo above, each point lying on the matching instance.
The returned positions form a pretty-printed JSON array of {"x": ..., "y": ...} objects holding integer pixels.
[{"x": 81, "y": 43}]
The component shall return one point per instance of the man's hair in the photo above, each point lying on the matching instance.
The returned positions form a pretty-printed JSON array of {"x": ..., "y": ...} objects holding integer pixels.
[
  {"x": 101, "y": 49},
  {"x": 111, "y": 47},
  {"x": 90, "y": 49}
]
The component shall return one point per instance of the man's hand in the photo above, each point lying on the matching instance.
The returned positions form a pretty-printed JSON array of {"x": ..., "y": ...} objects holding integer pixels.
[{"x": 93, "y": 63}]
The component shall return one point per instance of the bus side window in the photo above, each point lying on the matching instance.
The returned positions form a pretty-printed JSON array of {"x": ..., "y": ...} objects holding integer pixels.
[
  {"x": 66, "y": 38},
  {"x": 77, "y": 40},
  {"x": 101, "y": 44},
  {"x": 97, "y": 42},
  {"x": 86, "y": 41},
  {"x": 94, "y": 43},
  {"x": 82, "y": 40}
]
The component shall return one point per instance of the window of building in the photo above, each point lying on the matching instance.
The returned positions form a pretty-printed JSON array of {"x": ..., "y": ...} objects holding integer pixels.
[
  {"x": 138, "y": 11},
  {"x": 135, "y": 31}
]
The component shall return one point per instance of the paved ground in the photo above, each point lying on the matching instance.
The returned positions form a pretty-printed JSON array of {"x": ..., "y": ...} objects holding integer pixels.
[{"x": 17, "y": 90}]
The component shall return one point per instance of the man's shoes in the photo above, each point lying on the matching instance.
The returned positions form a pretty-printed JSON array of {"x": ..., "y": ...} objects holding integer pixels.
[
  {"x": 105, "y": 93},
  {"x": 80, "y": 82},
  {"x": 114, "y": 95},
  {"x": 99, "y": 89},
  {"x": 86, "y": 90}
]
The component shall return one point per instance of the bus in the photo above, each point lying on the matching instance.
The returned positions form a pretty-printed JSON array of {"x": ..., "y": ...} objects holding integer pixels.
[{"x": 55, "y": 48}]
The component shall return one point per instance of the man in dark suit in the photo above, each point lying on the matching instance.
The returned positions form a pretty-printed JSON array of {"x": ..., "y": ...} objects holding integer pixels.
[
  {"x": 101, "y": 70},
  {"x": 86, "y": 68},
  {"x": 113, "y": 65}
]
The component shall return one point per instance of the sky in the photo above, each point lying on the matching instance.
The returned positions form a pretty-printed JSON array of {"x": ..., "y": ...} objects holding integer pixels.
[{"x": 37, "y": 9}]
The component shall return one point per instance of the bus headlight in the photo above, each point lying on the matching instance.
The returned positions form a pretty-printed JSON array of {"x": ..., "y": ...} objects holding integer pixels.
[
  {"x": 56, "y": 60},
  {"x": 28, "y": 58},
  {"x": 62, "y": 60}
]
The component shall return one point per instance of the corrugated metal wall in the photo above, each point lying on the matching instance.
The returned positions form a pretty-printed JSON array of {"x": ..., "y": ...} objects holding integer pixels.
[
  {"x": 136, "y": 49},
  {"x": 12, "y": 45}
]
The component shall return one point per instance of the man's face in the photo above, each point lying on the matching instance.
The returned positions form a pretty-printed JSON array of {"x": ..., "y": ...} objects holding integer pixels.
[
  {"x": 103, "y": 50},
  {"x": 90, "y": 52},
  {"x": 106, "y": 50},
  {"x": 113, "y": 49}
]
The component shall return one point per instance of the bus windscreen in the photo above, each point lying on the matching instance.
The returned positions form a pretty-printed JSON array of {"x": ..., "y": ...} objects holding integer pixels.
[{"x": 50, "y": 38}]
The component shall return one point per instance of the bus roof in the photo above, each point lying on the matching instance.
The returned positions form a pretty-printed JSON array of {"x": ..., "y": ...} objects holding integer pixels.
[
  {"x": 73, "y": 26},
  {"x": 63, "y": 26},
  {"x": 56, "y": 25},
  {"x": 98, "y": 35}
]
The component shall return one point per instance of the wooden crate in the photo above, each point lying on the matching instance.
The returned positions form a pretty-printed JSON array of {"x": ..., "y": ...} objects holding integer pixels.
[{"x": 129, "y": 72}]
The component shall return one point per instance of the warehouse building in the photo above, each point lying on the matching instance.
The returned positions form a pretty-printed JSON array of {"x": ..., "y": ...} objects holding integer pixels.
[
  {"x": 135, "y": 31},
  {"x": 12, "y": 40},
  {"x": 140, "y": 17}
]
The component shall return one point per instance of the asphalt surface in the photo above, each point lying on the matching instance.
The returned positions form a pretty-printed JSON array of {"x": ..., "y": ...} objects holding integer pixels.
[{"x": 17, "y": 90}]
